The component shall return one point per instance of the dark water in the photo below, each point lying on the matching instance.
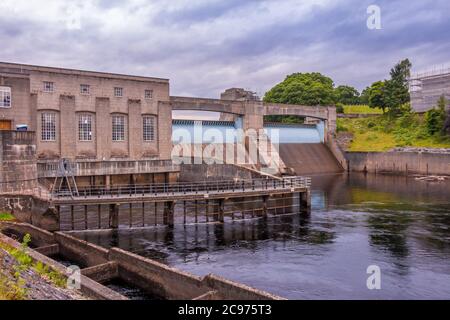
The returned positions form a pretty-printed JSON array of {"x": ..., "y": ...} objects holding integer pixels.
[{"x": 396, "y": 223}]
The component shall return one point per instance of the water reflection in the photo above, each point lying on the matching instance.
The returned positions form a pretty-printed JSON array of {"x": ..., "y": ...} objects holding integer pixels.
[{"x": 398, "y": 223}]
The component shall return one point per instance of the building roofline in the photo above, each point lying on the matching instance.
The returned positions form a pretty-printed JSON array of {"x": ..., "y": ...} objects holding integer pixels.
[{"x": 29, "y": 67}]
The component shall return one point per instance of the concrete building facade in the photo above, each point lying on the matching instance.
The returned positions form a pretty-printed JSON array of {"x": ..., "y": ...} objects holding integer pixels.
[{"x": 87, "y": 115}]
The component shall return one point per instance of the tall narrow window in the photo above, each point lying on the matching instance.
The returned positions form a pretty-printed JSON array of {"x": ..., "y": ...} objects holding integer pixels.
[
  {"x": 148, "y": 94},
  {"x": 49, "y": 86},
  {"x": 118, "y": 92},
  {"x": 118, "y": 128},
  {"x": 48, "y": 126},
  {"x": 85, "y": 127},
  {"x": 5, "y": 97},
  {"x": 149, "y": 128}
]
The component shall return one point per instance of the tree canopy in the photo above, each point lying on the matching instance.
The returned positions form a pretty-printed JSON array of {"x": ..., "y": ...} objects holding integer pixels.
[
  {"x": 347, "y": 95},
  {"x": 396, "y": 88},
  {"x": 377, "y": 95},
  {"x": 305, "y": 89}
]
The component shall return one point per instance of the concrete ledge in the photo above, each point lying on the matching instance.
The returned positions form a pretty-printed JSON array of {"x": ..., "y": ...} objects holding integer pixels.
[
  {"x": 50, "y": 250},
  {"x": 103, "y": 272},
  {"x": 83, "y": 252},
  {"x": 172, "y": 283},
  {"x": 39, "y": 237},
  {"x": 230, "y": 290},
  {"x": 156, "y": 277}
]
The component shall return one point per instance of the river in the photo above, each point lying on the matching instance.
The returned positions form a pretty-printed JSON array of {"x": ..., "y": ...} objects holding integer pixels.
[{"x": 396, "y": 223}]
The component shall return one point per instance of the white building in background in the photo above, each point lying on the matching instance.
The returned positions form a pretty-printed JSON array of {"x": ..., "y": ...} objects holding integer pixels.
[{"x": 427, "y": 87}]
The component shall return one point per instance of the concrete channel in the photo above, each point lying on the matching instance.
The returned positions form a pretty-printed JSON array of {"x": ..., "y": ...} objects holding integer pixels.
[{"x": 104, "y": 269}]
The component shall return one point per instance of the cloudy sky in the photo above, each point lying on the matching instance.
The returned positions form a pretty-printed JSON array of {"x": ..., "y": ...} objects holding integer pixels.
[{"x": 205, "y": 46}]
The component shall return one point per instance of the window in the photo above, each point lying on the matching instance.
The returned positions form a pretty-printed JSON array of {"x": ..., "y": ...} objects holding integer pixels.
[
  {"x": 118, "y": 92},
  {"x": 148, "y": 94},
  {"x": 48, "y": 126},
  {"x": 149, "y": 128},
  {"x": 5, "y": 97},
  {"x": 85, "y": 127},
  {"x": 85, "y": 89},
  {"x": 49, "y": 86},
  {"x": 118, "y": 128}
]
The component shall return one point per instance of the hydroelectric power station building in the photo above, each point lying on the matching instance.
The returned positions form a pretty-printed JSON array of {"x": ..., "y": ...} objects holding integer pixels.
[{"x": 117, "y": 129}]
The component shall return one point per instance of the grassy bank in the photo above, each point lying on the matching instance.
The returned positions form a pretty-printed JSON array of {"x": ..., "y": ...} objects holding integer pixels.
[
  {"x": 17, "y": 269},
  {"x": 383, "y": 133},
  {"x": 361, "y": 109}
]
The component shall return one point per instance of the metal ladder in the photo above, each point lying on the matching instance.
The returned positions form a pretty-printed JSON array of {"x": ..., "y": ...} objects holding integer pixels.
[{"x": 65, "y": 173}]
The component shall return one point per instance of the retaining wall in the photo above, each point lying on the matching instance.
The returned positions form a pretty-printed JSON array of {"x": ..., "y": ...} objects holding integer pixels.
[
  {"x": 159, "y": 279},
  {"x": 423, "y": 163},
  {"x": 18, "y": 168}
]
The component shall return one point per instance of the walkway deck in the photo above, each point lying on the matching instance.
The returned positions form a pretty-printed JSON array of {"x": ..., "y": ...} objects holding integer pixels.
[{"x": 181, "y": 191}]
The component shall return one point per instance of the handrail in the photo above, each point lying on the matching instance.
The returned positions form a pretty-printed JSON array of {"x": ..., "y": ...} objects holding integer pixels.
[{"x": 205, "y": 187}]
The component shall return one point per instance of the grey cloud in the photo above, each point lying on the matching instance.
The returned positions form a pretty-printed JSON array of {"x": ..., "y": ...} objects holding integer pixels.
[{"x": 333, "y": 40}]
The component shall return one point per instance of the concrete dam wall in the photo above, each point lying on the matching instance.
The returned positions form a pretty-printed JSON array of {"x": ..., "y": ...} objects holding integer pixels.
[
  {"x": 309, "y": 158},
  {"x": 425, "y": 163}
]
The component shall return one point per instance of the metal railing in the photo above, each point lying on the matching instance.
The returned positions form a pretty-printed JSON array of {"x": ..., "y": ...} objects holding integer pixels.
[
  {"x": 49, "y": 168},
  {"x": 168, "y": 189}
]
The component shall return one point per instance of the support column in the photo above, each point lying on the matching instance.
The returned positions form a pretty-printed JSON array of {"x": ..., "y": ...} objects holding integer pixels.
[
  {"x": 305, "y": 201},
  {"x": 99, "y": 215},
  {"x": 265, "y": 200},
  {"x": 107, "y": 182},
  {"x": 221, "y": 210},
  {"x": 114, "y": 216},
  {"x": 169, "y": 207},
  {"x": 86, "y": 226}
]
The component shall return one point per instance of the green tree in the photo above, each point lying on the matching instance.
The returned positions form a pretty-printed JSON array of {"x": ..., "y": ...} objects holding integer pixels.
[
  {"x": 364, "y": 97},
  {"x": 396, "y": 88},
  {"x": 347, "y": 95},
  {"x": 377, "y": 95},
  {"x": 435, "y": 118},
  {"x": 309, "y": 89}
]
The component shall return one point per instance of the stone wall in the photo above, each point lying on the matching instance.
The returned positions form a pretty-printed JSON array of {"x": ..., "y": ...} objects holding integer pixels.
[
  {"x": 399, "y": 162},
  {"x": 18, "y": 170}
]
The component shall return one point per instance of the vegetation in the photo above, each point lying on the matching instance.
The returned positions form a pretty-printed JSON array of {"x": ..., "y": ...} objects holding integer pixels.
[
  {"x": 16, "y": 290},
  {"x": 385, "y": 132},
  {"x": 392, "y": 93},
  {"x": 347, "y": 95},
  {"x": 5, "y": 216},
  {"x": 309, "y": 89},
  {"x": 361, "y": 109},
  {"x": 395, "y": 126},
  {"x": 435, "y": 118}
]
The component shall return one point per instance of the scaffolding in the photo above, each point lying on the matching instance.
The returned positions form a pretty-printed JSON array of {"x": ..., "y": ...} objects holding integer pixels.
[{"x": 427, "y": 86}]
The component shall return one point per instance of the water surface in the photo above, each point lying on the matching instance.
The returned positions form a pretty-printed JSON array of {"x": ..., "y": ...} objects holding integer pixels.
[{"x": 397, "y": 223}]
